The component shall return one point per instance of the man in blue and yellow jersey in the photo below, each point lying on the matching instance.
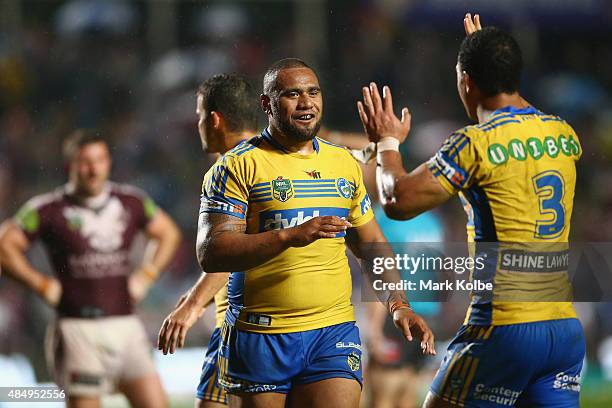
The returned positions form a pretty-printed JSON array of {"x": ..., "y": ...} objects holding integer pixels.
[
  {"x": 276, "y": 210},
  {"x": 227, "y": 114},
  {"x": 516, "y": 173}
]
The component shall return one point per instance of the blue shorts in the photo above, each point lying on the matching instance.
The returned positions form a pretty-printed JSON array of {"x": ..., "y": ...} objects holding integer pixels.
[
  {"x": 524, "y": 365},
  {"x": 209, "y": 389},
  {"x": 257, "y": 362}
]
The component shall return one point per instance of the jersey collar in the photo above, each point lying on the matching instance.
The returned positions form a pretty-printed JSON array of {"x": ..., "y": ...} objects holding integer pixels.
[
  {"x": 529, "y": 110},
  {"x": 268, "y": 137}
]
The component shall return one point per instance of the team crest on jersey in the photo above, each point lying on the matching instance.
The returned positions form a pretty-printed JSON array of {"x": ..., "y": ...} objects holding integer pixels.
[
  {"x": 75, "y": 222},
  {"x": 344, "y": 188},
  {"x": 282, "y": 189},
  {"x": 353, "y": 361}
]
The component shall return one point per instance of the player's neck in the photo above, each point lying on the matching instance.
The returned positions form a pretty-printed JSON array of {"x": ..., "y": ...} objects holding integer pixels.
[
  {"x": 291, "y": 145},
  {"x": 86, "y": 198},
  {"x": 499, "y": 101},
  {"x": 232, "y": 139}
]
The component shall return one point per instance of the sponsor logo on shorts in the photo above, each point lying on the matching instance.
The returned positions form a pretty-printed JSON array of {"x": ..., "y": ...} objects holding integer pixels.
[
  {"x": 282, "y": 189},
  {"x": 498, "y": 395},
  {"x": 353, "y": 361},
  {"x": 258, "y": 388},
  {"x": 568, "y": 382},
  {"x": 348, "y": 344}
]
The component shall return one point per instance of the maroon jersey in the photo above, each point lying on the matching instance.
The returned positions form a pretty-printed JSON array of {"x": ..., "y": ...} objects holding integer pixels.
[{"x": 88, "y": 242}]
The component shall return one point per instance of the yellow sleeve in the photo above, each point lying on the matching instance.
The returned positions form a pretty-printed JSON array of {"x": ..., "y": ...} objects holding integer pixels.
[
  {"x": 574, "y": 143},
  {"x": 457, "y": 164},
  {"x": 361, "y": 207},
  {"x": 225, "y": 189}
]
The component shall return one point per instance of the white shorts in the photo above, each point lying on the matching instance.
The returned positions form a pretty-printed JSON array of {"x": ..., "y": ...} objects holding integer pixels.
[{"x": 90, "y": 357}]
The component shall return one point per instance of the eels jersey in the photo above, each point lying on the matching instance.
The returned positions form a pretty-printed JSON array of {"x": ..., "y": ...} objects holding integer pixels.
[
  {"x": 515, "y": 174},
  {"x": 301, "y": 288}
]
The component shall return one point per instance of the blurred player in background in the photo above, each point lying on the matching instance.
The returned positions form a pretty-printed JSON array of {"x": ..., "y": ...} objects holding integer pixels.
[
  {"x": 516, "y": 169},
  {"x": 88, "y": 226},
  {"x": 277, "y": 208},
  {"x": 227, "y": 111}
]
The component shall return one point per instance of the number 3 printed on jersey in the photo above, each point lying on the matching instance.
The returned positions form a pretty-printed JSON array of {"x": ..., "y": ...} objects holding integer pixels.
[{"x": 550, "y": 189}]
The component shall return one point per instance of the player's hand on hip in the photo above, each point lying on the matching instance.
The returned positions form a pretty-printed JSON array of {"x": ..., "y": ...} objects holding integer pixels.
[
  {"x": 411, "y": 325},
  {"x": 471, "y": 25},
  {"x": 318, "y": 227},
  {"x": 379, "y": 120},
  {"x": 51, "y": 291},
  {"x": 173, "y": 331}
]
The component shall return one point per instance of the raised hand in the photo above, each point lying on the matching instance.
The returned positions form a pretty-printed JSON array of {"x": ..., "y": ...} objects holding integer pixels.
[
  {"x": 377, "y": 115},
  {"x": 471, "y": 26}
]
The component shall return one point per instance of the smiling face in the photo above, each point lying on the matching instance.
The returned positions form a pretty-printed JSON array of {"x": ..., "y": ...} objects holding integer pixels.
[{"x": 296, "y": 105}]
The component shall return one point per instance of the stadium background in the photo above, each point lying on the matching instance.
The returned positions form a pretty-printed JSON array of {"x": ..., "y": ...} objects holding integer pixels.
[{"x": 130, "y": 68}]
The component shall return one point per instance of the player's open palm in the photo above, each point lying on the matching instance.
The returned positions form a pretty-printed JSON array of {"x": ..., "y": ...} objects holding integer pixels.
[
  {"x": 378, "y": 118},
  {"x": 411, "y": 324},
  {"x": 176, "y": 325},
  {"x": 316, "y": 228}
]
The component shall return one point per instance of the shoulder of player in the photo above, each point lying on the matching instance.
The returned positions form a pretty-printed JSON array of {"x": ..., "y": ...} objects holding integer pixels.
[
  {"x": 127, "y": 191},
  {"x": 334, "y": 149},
  {"x": 238, "y": 157},
  {"x": 244, "y": 149},
  {"x": 465, "y": 135},
  {"x": 46, "y": 200}
]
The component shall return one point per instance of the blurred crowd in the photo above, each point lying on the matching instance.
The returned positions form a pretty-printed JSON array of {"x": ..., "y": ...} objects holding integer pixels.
[{"x": 130, "y": 68}]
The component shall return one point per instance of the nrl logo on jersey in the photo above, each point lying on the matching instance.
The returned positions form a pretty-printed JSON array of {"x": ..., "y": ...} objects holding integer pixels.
[{"x": 282, "y": 189}]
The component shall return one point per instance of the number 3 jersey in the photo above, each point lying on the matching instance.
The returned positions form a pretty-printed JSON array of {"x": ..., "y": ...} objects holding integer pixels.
[
  {"x": 301, "y": 288},
  {"x": 515, "y": 174}
]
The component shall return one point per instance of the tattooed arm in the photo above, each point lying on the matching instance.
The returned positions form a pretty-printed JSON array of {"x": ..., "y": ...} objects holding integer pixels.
[{"x": 223, "y": 244}]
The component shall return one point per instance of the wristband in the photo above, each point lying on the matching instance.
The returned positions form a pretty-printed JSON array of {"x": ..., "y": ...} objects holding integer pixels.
[
  {"x": 44, "y": 286},
  {"x": 397, "y": 305},
  {"x": 150, "y": 272},
  {"x": 387, "y": 143}
]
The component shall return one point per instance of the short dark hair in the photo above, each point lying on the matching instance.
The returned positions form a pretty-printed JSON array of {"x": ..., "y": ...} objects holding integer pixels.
[
  {"x": 269, "y": 81},
  {"x": 233, "y": 97},
  {"x": 493, "y": 60},
  {"x": 79, "y": 138}
]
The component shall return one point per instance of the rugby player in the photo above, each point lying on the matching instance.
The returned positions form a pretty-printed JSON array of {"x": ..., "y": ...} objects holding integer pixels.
[
  {"x": 276, "y": 211},
  {"x": 226, "y": 108},
  {"x": 515, "y": 171},
  {"x": 97, "y": 343}
]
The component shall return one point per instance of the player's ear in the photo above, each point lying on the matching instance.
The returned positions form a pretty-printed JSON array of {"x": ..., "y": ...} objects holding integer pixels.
[
  {"x": 216, "y": 120},
  {"x": 264, "y": 101},
  {"x": 468, "y": 83}
]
